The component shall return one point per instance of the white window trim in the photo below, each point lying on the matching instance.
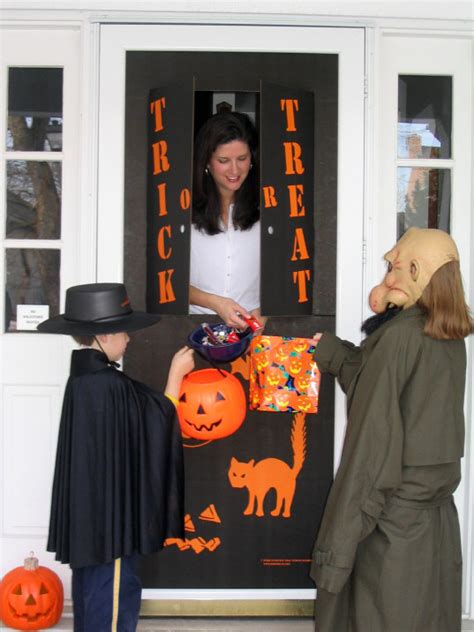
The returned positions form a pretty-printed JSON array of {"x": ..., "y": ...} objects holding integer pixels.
[{"x": 428, "y": 53}]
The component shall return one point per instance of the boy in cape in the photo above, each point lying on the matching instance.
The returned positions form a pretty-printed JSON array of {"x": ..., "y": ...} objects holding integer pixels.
[
  {"x": 118, "y": 481},
  {"x": 388, "y": 553}
]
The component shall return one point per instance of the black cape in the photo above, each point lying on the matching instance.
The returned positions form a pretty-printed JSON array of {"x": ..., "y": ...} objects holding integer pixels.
[{"x": 118, "y": 481}]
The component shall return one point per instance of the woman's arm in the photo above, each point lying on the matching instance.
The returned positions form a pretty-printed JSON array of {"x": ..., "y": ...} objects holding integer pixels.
[{"x": 226, "y": 308}]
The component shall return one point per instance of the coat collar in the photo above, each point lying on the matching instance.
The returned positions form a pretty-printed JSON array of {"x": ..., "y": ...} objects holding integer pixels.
[
  {"x": 405, "y": 314},
  {"x": 85, "y": 361}
]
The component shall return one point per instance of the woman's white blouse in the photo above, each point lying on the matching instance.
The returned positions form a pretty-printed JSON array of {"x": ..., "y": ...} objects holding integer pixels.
[{"x": 227, "y": 264}]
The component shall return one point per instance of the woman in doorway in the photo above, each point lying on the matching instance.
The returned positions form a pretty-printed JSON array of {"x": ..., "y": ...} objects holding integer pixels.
[{"x": 225, "y": 236}]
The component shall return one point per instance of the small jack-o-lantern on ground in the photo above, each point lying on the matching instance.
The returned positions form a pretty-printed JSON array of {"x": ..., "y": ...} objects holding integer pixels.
[
  {"x": 212, "y": 404},
  {"x": 31, "y": 597}
]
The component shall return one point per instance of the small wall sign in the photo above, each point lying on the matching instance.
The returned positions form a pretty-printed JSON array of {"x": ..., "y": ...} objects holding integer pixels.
[{"x": 28, "y": 317}]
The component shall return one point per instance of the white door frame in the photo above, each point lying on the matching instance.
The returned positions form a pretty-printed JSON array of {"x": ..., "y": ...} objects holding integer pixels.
[
  {"x": 448, "y": 54},
  {"x": 34, "y": 367},
  {"x": 349, "y": 45}
]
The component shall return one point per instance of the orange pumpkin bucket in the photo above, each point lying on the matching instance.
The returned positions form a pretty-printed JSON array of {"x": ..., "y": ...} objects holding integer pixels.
[
  {"x": 212, "y": 404},
  {"x": 283, "y": 375}
]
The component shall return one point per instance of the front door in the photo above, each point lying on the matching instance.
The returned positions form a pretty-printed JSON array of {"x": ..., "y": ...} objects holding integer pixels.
[{"x": 251, "y": 66}]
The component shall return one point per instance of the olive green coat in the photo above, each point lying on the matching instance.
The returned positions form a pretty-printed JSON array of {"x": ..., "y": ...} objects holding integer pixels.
[{"x": 387, "y": 556}]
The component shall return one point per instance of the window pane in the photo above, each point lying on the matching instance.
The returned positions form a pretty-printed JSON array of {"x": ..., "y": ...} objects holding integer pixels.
[
  {"x": 424, "y": 116},
  {"x": 424, "y": 198},
  {"x": 33, "y": 199},
  {"x": 35, "y": 109},
  {"x": 32, "y": 278}
]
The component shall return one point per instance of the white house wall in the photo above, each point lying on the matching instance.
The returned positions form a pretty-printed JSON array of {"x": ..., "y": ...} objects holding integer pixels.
[{"x": 33, "y": 374}]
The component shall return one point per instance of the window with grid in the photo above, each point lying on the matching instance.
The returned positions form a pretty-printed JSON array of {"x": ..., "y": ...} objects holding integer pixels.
[
  {"x": 33, "y": 174},
  {"x": 424, "y": 152}
]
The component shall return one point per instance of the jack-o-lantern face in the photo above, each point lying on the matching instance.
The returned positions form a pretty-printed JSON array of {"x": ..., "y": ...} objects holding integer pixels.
[
  {"x": 294, "y": 366},
  {"x": 300, "y": 345},
  {"x": 261, "y": 361},
  {"x": 306, "y": 404},
  {"x": 261, "y": 343},
  {"x": 212, "y": 404},
  {"x": 31, "y": 599},
  {"x": 267, "y": 397},
  {"x": 302, "y": 382},
  {"x": 284, "y": 399},
  {"x": 274, "y": 377},
  {"x": 255, "y": 398},
  {"x": 281, "y": 354}
]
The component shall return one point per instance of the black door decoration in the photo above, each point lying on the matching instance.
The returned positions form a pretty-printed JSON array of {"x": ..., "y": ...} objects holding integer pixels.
[
  {"x": 170, "y": 129},
  {"x": 228, "y": 543},
  {"x": 287, "y": 167}
]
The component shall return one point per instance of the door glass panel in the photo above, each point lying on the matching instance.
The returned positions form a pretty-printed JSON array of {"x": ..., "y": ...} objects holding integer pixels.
[
  {"x": 424, "y": 198},
  {"x": 424, "y": 116},
  {"x": 33, "y": 199},
  {"x": 32, "y": 278},
  {"x": 35, "y": 109}
]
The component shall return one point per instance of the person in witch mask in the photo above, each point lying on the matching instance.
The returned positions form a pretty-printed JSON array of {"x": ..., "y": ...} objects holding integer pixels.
[
  {"x": 118, "y": 481},
  {"x": 387, "y": 557}
]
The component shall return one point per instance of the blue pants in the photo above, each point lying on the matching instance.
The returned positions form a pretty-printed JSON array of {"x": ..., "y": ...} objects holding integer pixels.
[{"x": 106, "y": 598}]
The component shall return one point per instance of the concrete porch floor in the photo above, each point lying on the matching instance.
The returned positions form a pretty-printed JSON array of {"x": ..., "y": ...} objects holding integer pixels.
[{"x": 206, "y": 624}]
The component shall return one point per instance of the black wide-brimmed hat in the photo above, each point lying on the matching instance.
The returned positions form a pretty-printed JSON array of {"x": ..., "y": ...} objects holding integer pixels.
[{"x": 97, "y": 308}]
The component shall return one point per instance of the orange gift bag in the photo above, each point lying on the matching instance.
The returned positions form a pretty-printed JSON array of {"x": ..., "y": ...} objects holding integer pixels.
[{"x": 283, "y": 375}]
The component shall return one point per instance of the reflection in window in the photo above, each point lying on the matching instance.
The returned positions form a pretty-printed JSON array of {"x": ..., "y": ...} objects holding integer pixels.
[
  {"x": 424, "y": 116},
  {"x": 33, "y": 199},
  {"x": 32, "y": 278},
  {"x": 424, "y": 198},
  {"x": 35, "y": 109}
]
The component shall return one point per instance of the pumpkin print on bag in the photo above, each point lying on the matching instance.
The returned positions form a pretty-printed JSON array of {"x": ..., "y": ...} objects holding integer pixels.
[
  {"x": 283, "y": 375},
  {"x": 31, "y": 597},
  {"x": 212, "y": 404}
]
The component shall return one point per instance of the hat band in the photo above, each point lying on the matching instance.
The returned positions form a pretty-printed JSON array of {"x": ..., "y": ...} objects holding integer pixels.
[{"x": 108, "y": 319}]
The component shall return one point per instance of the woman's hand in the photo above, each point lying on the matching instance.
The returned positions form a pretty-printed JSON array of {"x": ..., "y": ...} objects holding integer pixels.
[
  {"x": 261, "y": 319},
  {"x": 181, "y": 364},
  {"x": 224, "y": 307},
  {"x": 231, "y": 312}
]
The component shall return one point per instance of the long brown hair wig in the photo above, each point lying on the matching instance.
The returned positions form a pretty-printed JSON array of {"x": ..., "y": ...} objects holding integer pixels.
[{"x": 448, "y": 317}]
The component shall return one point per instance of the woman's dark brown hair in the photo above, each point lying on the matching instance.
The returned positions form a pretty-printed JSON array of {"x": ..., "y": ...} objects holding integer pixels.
[
  {"x": 448, "y": 317},
  {"x": 221, "y": 129}
]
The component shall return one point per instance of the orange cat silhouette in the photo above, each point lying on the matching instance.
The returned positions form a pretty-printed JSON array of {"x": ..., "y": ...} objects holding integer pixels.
[{"x": 259, "y": 478}]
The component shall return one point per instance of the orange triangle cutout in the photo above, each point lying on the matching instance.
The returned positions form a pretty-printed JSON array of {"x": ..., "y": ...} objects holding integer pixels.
[
  {"x": 210, "y": 514},
  {"x": 189, "y": 524}
]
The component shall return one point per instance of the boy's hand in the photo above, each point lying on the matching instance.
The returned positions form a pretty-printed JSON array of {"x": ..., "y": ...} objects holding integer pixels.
[{"x": 181, "y": 364}]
